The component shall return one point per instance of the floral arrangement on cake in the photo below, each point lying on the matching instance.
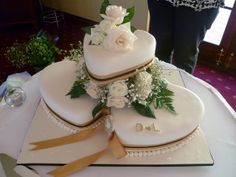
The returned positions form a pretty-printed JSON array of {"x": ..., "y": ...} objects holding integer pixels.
[
  {"x": 114, "y": 32},
  {"x": 143, "y": 91}
]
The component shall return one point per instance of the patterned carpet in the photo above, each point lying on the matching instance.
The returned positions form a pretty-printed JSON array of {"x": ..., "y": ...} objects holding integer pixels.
[
  {"x": 224, "y": 83},
  {"x": 70, "y": 32}
]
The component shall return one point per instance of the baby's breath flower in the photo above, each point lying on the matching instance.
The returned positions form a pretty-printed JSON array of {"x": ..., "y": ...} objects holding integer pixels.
[{"x": 143, "y": 83}]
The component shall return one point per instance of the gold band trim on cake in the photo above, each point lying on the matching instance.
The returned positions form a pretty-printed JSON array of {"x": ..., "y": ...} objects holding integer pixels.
[
  {"x": 160, "y": 145},
  {"x": 121, "y": 74},
  {"x": 104, "y": 112},
  {"x": 161, "y": 149}
]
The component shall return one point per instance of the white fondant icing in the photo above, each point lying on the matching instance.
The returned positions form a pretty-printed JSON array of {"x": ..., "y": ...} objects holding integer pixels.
[
  {"x": 102, "y": 62},
  {"x": 56, "y": 81},
  {"x": 190, "y": 111}
]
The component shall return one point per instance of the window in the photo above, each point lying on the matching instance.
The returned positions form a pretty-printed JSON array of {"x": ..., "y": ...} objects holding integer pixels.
[{"x": 215, "y": 34}]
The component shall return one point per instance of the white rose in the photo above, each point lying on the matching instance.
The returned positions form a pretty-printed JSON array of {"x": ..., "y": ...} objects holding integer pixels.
[
  {"x": 119, "y": 39},
  {"x": 115, "y": 14},
  {"x": 143, "y": 84},
  {"x": 92, "y": 90},
  {"x": 117, "y": 102},
  {"x": 97, "y": 35},
  {"x": 118, "y": 88},
  {"x": 106, "y": 25}
]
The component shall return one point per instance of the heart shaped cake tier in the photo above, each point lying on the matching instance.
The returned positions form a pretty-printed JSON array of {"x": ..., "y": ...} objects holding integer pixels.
[
  {"x": 135, "y": 130},
  {"x": 55, "y": 82},
  {"x": 103, "y": 64},
  {"x": 132, "y": 129}
]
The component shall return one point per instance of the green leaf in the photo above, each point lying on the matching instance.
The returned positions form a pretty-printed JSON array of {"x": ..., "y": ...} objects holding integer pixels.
[
  {"x": 159, "y": 103},
  {"x": 167, "y": 100},
  {"x": 166, "y": 92},
  {"x": 104, "y": 5},
  {"x": 77, "y": 90},
  {"x": 87, "y": 29},
  {"x": 164, "y": 100},
  {"x": 98, "y": 108},
  {"x": 144, "y": 110},
  {"x": 133, "y": 29},
  {"x": 130, "y": 15},
  {"x": 170, "y": 108}
]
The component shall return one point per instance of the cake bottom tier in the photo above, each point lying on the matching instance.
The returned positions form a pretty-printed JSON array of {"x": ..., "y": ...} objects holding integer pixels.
[{"x": 183, "y": 152}]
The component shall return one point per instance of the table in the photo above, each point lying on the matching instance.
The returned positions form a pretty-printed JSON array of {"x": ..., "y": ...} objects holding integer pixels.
[{"x": 219, "y": 126}]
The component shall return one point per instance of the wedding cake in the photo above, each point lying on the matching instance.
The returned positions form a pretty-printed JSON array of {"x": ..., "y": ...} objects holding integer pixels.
[
  {"x": 116, "y": 84},
  {"x": 118, "y": 70}
]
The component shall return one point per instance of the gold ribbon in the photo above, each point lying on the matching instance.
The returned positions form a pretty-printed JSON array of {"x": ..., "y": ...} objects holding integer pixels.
[
  {"x": 81, "y": 135},
  {"x": 63, "y": 140},
  {"x": 114, "y": 145},
  {"x": 102, "y": 80},
  {"x": 76, "y": 165}
]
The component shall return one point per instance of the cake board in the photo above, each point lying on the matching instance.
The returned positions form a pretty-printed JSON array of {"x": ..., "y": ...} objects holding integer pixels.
[{"x": 194, "y": 152}]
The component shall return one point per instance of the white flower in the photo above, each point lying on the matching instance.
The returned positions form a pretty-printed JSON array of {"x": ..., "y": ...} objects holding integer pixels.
[
  {"x": 80, "y": 63},
  {"x": 97, "y": 35},
  {"x": 115, "y": 14},
  {"x": 106, "y": 25},
  {"x": 117, "y": 102},
  {"x": 118, "y": 89},
  {"x": 143, "y": 84},
  {"x": 92, "y": 89},
  {"x": 119, "y": 39},
  {"x": 80, "y": 68}
]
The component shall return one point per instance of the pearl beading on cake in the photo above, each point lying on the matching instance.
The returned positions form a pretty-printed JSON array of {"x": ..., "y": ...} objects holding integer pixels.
[
  {"x": 131, "y": 152},
  {"x": 147, "y": 152},
  {"x": 65, "y": 125}
]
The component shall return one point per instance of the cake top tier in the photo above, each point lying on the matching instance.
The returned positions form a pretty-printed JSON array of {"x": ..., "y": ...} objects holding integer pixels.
[
  {"x": 115, "y": 49},
  {"x": 103, "y": 64}
]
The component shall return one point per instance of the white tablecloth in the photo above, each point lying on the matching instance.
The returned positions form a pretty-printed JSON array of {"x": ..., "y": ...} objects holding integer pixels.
[{"x": 219, "y": 126}]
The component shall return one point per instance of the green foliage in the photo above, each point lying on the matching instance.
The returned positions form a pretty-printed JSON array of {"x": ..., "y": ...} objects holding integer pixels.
[
  {"x": 104, "y": 5},
  {"x": 133, "y": 29},
  {"x": 130, "y": 15},
  {"x": 38, "y": 51},
  {"x": 75, "y": 53},
  {"x": 98, "y": 108},
  {"x": 165, "y": 100},
  {"x": 144, "y": 110},
  {"x": 77, "y": 90},
  {"x": 87, "y": 29},
  {"x": 17, "y": 55}
]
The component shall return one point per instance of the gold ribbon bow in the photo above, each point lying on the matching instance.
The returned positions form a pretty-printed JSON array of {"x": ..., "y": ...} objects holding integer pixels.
[
  {"x": 114, "y": 145},
  {"x": 81, "y": 135}
]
